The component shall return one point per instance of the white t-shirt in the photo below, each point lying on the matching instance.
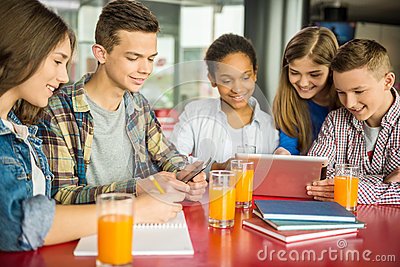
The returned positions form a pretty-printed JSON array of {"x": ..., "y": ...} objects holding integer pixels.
[
  {"x": 38, "y": 179},
  {"x": 371, "y": 136}
]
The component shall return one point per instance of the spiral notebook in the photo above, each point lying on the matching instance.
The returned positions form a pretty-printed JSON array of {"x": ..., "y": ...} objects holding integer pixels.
[{"x": 171, "y": 238}]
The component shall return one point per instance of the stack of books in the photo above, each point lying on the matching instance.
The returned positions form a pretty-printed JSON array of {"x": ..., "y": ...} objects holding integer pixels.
[{"x": 291, "y": 221}]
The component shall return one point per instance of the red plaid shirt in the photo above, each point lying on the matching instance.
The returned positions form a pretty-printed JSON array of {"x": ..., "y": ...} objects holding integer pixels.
[{"x": 342, "y": 139}]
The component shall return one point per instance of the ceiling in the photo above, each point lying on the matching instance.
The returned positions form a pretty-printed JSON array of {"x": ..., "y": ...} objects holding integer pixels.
[
  {"x": 379, "y": 11},
  {"x": 74, "y": 4}
]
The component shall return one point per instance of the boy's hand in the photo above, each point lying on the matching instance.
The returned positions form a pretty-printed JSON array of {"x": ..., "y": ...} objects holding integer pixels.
[
  {"x": 197, "y": 184},
  {"x": 166, "y": 180},
  {"x": 393, "y": 177},
  {"x": 157, "y": 208},
  {"x": 185, "y": 174},
  {"x": 321, "y": 190},
  {"x": 197, "y": 187}
]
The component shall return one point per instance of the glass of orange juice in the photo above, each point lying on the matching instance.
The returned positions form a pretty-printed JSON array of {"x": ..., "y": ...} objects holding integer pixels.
[
  {"x": 244, "y": 171},
  {"x": 222, "y": 199},
  {"x": 346, "y": 185},
  {"x": 114, "y": 229}
]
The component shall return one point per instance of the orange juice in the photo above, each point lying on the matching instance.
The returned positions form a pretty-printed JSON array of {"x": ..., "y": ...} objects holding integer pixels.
[
  {"x": 115, "y": 239},
  {"x": 222, "y": 203},
  {"x": 346, "y": 191},
  {"x": 244, "y": 185}
]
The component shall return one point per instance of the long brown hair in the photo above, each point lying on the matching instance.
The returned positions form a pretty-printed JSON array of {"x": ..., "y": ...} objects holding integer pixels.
[
  {"x": 291, "y": 112},
  {"x": 29, "y": 32}
]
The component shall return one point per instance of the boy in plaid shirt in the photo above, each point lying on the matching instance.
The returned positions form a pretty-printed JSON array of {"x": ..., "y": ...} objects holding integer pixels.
[
  {"x": 366, "y": 131},
  {"x": 100, "y": 134}
]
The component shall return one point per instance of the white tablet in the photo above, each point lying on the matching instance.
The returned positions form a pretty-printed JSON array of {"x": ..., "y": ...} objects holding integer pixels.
[{"x": 283, "y": 175}]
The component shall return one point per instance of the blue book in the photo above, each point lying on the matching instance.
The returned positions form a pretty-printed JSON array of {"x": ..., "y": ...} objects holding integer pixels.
[{"x": 302, "y": 210}]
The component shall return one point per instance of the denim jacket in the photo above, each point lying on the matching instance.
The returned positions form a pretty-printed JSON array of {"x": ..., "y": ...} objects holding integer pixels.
[{"x": 25, "y": 219}]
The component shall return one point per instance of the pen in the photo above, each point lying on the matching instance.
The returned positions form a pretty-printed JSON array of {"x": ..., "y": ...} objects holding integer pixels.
[{"x": 157, "y": 184}]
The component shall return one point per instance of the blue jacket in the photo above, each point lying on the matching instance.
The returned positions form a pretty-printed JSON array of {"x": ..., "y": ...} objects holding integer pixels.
[{"x": 25, "y": 219}]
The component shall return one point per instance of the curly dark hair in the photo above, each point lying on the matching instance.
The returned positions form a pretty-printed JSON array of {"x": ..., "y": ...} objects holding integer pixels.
[{"x": 228, "y": 44}]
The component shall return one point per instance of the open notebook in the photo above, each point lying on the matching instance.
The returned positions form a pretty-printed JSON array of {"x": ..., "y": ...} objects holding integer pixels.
[{"x": 171, "y": 238}]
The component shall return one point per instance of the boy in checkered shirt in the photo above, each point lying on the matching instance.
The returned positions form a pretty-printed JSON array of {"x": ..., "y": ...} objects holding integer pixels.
[{"x": 366, "y": 131}]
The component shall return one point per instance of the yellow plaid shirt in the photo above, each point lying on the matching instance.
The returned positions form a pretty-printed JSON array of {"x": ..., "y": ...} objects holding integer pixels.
[{"x": 67, "y": 134}]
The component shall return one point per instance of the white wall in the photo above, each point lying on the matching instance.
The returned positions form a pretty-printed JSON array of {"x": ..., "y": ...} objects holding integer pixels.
[
  {"x": 199, "y": 27},
  {"x": 87, "y": 20},
  {"x": 386, "y": 35}
]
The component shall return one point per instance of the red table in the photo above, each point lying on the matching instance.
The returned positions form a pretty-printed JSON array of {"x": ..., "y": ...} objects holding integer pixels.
[{"x": 245, "y": 247}]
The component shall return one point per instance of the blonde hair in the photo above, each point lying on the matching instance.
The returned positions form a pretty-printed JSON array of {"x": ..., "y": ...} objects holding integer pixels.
[{"x": 291, "y": 112}]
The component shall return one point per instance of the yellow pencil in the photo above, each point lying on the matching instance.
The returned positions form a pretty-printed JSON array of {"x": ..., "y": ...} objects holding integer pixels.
[{"x": 157, "y": 184}]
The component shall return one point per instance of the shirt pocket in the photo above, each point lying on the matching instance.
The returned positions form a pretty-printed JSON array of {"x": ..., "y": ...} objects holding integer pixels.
[{"x": 14, "y": 168}]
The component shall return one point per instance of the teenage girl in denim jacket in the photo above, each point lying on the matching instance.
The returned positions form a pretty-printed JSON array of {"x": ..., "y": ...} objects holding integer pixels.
[{"x": 35, "y": 47}]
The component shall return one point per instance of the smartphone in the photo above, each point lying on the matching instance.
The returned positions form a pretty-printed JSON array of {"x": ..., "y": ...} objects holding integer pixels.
[{"x": 189, "y": 177}]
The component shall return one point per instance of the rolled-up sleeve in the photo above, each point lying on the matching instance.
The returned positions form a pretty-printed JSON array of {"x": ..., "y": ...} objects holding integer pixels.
[
  {"x": 25, "y": 224},
  {"x": 38, "y": 218}
]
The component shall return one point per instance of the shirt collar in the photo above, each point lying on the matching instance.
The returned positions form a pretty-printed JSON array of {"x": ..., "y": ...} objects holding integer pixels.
[
  {"x": 4, "y": 129},
  {"x": 256, "y": 109},
  {"x": 253, "y": 103},
  {"x": 80, "y": 103},
  {"x": 393, "y": 114},
  {"x": 131, "y": 100},
  {"x": 78, "y": 96},
  {"x": 32, "y": 129}
]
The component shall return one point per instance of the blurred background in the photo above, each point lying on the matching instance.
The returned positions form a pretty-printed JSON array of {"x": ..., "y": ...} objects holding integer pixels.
[{"x": 189, "y": 26}]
